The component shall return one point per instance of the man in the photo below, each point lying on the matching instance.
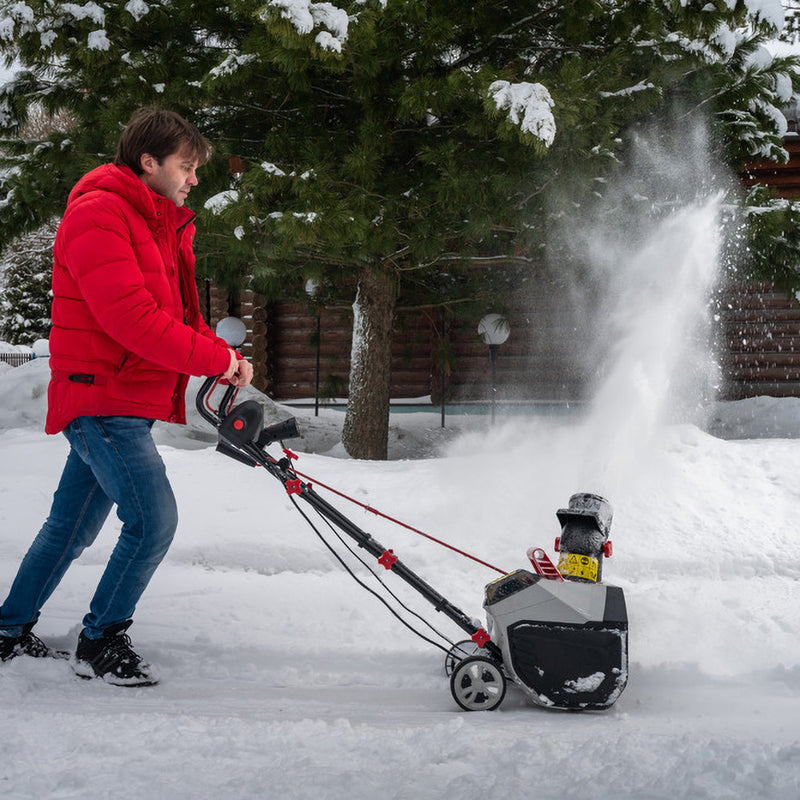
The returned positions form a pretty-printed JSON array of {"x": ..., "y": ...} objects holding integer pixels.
[{"x": 127, "y": 334}]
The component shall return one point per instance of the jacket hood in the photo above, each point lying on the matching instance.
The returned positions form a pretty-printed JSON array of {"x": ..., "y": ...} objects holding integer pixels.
[{"x": 122, "y": 180}]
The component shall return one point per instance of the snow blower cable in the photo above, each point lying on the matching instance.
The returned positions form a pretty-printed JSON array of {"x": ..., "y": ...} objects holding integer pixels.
[
  {"x": 384, "y": 586},
  {"x": 400, "y": 523},
  {"x": 375, "y": 594}
]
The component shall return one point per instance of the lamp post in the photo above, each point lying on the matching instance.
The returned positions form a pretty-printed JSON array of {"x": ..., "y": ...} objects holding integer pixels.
[
  {"x": 311, "y": 291},
  {"x": 494, "y": 330},
  {"x": 444, "y": 365}
]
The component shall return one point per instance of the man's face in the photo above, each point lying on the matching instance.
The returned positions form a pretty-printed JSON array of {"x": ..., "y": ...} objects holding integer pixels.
[{"x": 173, "y": 178}]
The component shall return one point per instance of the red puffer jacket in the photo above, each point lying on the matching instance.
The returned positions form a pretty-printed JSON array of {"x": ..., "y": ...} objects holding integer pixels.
[{"x": 127, "y": 330}]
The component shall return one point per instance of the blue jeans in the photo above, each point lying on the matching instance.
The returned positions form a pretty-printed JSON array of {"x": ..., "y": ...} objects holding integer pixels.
[{"x": 112, "y": 460}]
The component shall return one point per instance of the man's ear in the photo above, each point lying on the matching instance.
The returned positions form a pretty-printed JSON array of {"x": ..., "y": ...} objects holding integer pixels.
[{"x": 148, "y": 163}]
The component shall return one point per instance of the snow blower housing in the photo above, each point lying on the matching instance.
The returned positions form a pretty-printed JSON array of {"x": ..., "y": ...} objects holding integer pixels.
[
  {"x": 563, "y": 634},
  {"x": 564, "y": 643},
  {"x": 558, "y": 633}
]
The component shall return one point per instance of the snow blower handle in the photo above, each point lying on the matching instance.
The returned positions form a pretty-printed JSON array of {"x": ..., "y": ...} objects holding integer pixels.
[
  {"x": 242, "y": 425},
  {"x": 214, "y": 416}
]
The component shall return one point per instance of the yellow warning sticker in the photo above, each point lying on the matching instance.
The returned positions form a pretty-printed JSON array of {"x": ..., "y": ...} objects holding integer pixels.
[{"x": 578, "y": 566}]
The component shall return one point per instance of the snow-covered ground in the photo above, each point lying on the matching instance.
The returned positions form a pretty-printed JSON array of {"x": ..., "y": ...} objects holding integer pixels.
[{"x": 282, "y": 678}]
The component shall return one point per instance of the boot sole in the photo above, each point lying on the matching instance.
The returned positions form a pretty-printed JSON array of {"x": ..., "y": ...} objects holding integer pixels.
[
  {"x": 85, "y": 671},
  {"x": 58, "y": 655}
]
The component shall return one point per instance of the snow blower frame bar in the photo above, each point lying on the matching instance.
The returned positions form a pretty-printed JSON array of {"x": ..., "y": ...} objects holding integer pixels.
[{"x": 242, "y": 436}]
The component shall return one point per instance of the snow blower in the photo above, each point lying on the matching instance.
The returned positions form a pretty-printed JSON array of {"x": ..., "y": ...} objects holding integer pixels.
[{"x": 557, "y": 632}]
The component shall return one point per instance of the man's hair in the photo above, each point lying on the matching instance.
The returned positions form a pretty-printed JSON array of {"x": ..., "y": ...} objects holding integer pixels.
[{"x": 159, "y": 133}]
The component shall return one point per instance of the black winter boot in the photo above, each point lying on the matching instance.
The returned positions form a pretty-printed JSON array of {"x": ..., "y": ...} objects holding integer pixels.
[
  {"x": 28, "y": 644},
  {"x": 112, "y": 658}
]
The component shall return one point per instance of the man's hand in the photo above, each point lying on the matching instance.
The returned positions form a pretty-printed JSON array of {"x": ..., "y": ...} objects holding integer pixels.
[
  {"x": 243, "y": 375},
  {"x": 239, "y": 372}
]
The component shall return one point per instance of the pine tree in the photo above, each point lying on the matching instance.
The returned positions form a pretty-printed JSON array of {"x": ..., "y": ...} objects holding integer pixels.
[
  {"x": 25, "y": 295},
  {"x": 385, "y": 145}
]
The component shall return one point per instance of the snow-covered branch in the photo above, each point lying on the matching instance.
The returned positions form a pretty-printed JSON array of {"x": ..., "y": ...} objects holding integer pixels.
[{"x": 528, "y": 107}]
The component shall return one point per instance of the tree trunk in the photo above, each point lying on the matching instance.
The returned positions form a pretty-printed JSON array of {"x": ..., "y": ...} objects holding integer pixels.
[{"x": 366, "y": 423}]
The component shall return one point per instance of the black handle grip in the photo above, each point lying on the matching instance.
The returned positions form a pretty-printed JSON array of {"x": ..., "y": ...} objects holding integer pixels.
[{"x": 201, "y": 401}]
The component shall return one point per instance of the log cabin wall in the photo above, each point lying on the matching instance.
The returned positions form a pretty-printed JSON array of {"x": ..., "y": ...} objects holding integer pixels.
[
  {"x": 292, "y": 351},
  {"x": 759, "y": 352},
  {"x": 430, "y": 355},
  {"x": 427, "y": 359},
  {"x": 760, "y": 343},
  {"x": 759, "y": 325},
  {"x": 784, "y": 178}
]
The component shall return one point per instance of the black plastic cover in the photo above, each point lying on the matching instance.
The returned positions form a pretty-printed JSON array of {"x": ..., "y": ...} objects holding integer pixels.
[
  {"x": 243, "y": 423},
  {"x": 571, "y": 666}
]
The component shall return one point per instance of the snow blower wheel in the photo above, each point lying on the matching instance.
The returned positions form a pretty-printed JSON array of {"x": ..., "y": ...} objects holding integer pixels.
[
  {"x": 458, "y": 652},
  {"x": 478, "y": 684}
]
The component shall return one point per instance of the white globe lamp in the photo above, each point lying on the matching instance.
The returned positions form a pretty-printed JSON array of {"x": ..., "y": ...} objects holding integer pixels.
[{"x": 232, "y": 330}]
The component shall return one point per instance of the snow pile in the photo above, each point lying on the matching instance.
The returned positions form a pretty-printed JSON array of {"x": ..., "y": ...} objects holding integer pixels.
[{"x": 7, "y": 347}]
